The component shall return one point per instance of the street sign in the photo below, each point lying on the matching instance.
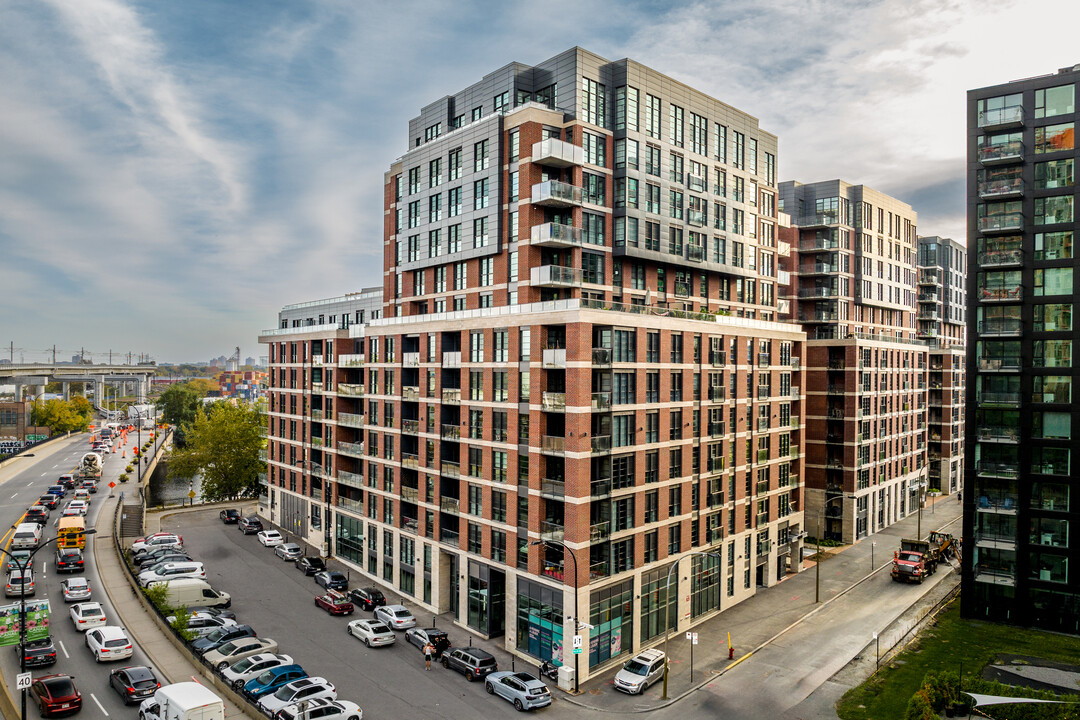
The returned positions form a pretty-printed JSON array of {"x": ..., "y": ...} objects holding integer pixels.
[
  {"x": 23, "y": 680},
  {"x": 111, "y": 484},
  {"x": 577, "y": 644},
  {"x": 191, "y": 494},
  {"x": 689, "y": 635},
  {"x": 695, "y": 639}
]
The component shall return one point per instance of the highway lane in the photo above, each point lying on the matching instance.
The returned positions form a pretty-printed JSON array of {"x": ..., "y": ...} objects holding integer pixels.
[
  {"x": 278, "y": 601},
  {"x": 20, "y": 486}
]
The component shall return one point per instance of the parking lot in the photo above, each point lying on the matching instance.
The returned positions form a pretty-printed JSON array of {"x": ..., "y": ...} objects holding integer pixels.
[{"x": 277, "y": 600}]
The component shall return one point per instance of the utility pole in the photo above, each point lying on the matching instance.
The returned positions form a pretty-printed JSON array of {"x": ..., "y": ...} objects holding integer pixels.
[
  {"x": 11, "y": 352},
  {"x": 54, "y": 354}
]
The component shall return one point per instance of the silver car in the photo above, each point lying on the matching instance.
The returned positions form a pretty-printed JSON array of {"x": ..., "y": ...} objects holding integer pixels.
[
  {"x": 372, "y": 633},
  {"x": 251, "y": 667},
  {"x": 289, "y": 552},
  {"x": 396, "y": 616},
  {"x": 76, "y": 589},
  {"x": 522, "y": 689}
]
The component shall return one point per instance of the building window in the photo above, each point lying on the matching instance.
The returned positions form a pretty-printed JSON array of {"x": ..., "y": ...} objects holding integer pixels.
[
  {"x": 593, "y": 102},
  {"x": 480, "y": 156}
]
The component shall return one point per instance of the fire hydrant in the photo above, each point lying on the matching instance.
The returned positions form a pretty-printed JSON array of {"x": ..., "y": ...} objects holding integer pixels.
[{"x": 731, "y": 653}]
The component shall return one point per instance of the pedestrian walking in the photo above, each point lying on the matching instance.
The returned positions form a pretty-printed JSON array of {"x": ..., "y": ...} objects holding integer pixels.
[
  {"x": 429, "y": 650},
  {"x": 958, "y": 498}
]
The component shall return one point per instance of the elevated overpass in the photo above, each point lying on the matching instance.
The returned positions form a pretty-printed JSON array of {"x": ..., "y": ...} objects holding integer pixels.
[{"x": 35, "y": 376}]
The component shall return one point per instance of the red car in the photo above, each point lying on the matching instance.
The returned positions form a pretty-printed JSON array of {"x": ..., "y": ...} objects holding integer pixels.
[
  {"x": 334, "y": 603},
  {"x": 56, "y": 695}
]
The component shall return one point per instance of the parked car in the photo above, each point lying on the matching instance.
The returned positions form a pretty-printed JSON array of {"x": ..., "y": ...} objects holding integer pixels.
[
  {"x": 69, "y": 560},
  {"x": 202, "y": 624},
  {"x": 272, "y": 679},
  {"x": 321, "y": 708},
  {"x": 238, "y": 649},
  {"x": 471, "y": 662},
  {"x": 109, "y": 642},
  {"x": 522, "y": 689},
  {"x": 76, "y": 589},
  {"x": 422, "y": 636},
  {"x": 640, "y": 671},
  {"x": 311, "y": 565},
  {"x": 215, "y": 611},
  {"x": 168, "y": 554},
  {"x": 372, "y": 633},
  {"x": 334, "y": 603},
  {"x": 56, "y": 695},
  {"x": 165, "y": 571},
  {"x": 221, "y": 636},
  {"x": 250, "y": 525},
  {"x": 49, "y": 500},
  {"x": 134, "y": 683},
  {"x": 251, "y": 667},
  {"x": 270, "y": 538},
  {"x": 162, "y": 540},
  {"x": 38, "y": 653},
  {"x": 290, "y": 552},
  {"x": 396, "y": 616},
  {"x": 87, "y": 615},
  {"x": 309, "y": 688},
  {"x": 332, "y": 580},
  {"x": 38, "y": 514},
  {"x": 230, "y": 516},
  {"x": 368, "y": 598}
]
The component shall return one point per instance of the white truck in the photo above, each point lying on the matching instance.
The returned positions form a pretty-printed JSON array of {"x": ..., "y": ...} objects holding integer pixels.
[
  {"x": 183, "y": 701},
  {"x": 89, "y": 467}
]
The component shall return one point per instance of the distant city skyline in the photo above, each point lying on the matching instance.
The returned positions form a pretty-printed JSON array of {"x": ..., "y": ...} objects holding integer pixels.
[{"x": 164, "y": 164}]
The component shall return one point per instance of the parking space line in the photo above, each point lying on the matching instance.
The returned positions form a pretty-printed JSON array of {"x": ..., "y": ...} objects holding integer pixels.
[
  {"x": 100, "y": 707},
  {"x": 64, "y": 649}
]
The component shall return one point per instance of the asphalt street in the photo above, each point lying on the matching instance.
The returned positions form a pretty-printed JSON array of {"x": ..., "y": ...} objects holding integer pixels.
[{"x": 21, "y": 483}]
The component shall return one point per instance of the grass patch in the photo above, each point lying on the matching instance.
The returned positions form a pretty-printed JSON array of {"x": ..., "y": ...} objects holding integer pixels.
[{"x": 952, "y": 641}]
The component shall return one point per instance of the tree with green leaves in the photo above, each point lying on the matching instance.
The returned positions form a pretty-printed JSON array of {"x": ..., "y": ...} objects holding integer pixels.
[
  {"x": 179, "y": 404},
  {"x": 223, "y": 445},
  {"x": 60, "y": 416}
]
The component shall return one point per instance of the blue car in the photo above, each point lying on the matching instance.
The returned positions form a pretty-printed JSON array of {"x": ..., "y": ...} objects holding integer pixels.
[{"x": 273, "y": 679}]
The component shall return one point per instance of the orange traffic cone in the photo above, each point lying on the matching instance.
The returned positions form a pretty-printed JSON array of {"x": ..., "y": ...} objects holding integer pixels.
[{"x": 123, "y": 454}]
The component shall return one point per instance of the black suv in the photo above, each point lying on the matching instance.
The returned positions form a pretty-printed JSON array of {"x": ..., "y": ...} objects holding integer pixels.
[
  {"x": 38, "y": 653},
  {"x": 473, "y": 663},
  {"x": 69, "y": 560},
  {"x": 38, "y": 514},
  {"x": 250, "y": 525},
  {"x": 229, "y": 516},
  {"x": 368, "y": 598},
  {"x": 219, "y": 637},
  {"x": 166, "y": 555},
  {"x": 310, "y": 565}
]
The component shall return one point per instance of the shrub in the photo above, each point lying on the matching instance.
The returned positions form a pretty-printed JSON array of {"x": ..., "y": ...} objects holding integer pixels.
[
  {"x": 129, "y": 468},
  {"x": 180, "y": 624},
  {"x": 158, "y": 595},
  {"x": 123, "y": 477},
  {"x": 919, "y": 708}
]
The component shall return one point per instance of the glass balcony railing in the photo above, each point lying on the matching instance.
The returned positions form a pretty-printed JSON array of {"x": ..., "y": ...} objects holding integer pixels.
[
  {"x": 451, "y": 359},
  {"x": 450, "y": 468},
  {"x": 351, "y": 479},
  {"x": 1001, "y": 326},
  {"x": 1001, "y": 188},
  {"x": 555, "y": 444},
  {"x": 451, "y": 396},
  {"x": 552, "y": 193},
  {"x": 1000, "y": 469},
  {"x": 553, "y": 402},
  {"x": 601, "y": 443},
  {"x": 552, "y": 530},
  {"x": 350, "y": 420},
  {"x": 556, "y": 276},
  {"x": 999, "y": 258},
  {"x": 451, "y": 431},
  {"x": 556, "y": 235},
  {"x": 410, "y": 460},
  {"x": 1001, "y": 153},
  {"x": 990, "y": 500},
  {"x": 819, "y": 292},
  {"x": 1000, "y": 364},
  {"x": 350, "y": 389},
  {"x": 553, "y": 488},
  {"x": 995, "y": 399},
  {"x": 350, "y": 449},
  {"x": 451, "y": 505},
  {"x": 601, "y": 356},
  {"x": 601, "y": 401},
  {"x": 1002, "y": 222},
  {"x": 1001, "y": 294},
  {"x": 410, "y": 359},
  {"x": 1002, "y": 117}
]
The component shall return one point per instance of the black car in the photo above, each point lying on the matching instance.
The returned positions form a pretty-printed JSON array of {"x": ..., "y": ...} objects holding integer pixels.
[
  {"x": 69, "y": 560},
  {"x": 38, "y": 514},
  {"x": 165, "y": 555},
  {"x": 310, "y": 565},
  {"x": 219, "y": 637},
  {"x": 49, "y": 500},
  {"x": 68, "y": 481},
  {"x": 332, "y": 580},
  {"x": 134, "y": 683},
  {"x": 368, "y": 598},
  {"x": 230, "y": 516},
  {"x": 471, "y": 662},
  {"x": 38, "y": 653},
  {"x": 250, "y": 525}
]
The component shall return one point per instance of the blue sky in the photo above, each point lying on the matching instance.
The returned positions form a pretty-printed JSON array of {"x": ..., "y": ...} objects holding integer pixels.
[{"x": 164, "y": 166}]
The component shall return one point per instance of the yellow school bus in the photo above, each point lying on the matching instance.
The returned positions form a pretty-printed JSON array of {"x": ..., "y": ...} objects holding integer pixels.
[{"x": 72, "y": 532}]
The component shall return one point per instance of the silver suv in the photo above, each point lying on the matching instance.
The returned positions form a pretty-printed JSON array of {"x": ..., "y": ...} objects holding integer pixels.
[{"x": 640, "y": 672}]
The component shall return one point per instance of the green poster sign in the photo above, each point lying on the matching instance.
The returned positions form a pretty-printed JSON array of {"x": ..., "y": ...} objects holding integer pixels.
[{"x": 37, "y": 622}]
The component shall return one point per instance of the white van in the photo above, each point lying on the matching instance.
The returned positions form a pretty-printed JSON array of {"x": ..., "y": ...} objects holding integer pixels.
[
  {"x": 192, "y": 592},
  {"x": 183, "y": 701},
  {"x": 26, "y": 537}
]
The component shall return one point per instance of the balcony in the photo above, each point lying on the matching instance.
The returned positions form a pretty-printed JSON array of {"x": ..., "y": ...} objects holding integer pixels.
[
  {"x": 1000, "y": 364},
  {"x": 451, "y": 396},
  {"x": 451, "y": 432},
  {"x": 682, "y": 289},
  {"x": 601, "y": 443},
  {"x": 1002, "y": 117},
  {"x": 410, "y": 493},
  {"x": 819, "y": 316},
  {"x": 557, "y": 153},
  {"x": 998, "y": 327},
  {"x": 553, "y": 489},
  {"x": 351, "y": 479},
  {"x": 696, "y": 218},
  {"x": 819, "y": 268},
  {"x": 262, "y": 454},
  {"x": 1006, "y": 470},
  {"x": 350, "y": 360},
  {"x": 717, "y": 393},
  {"x": 353, "y": 506},
  {"x": 1001, "y": 258},
  {"x": 410, "y": 359},
  {"x": 556, "y": 276},
  {"x": 410, "y": 392},
  {"x": 1001, "y": 294},
  {"x": 601, "y": 401},
  {"x": 696, "y": 182},
  {"x": 552, "y": 193},
  {"x": 601, "y": 356},
  {"x": 1012, "y": 187},
  {"x": 819, "y": 292},
  {"x": 1001, "y": 153},
  {"x": 999, "y": 502},
  {"x": 553, "y": 444},
  {"x": 556, "y": 235},
  {"x": 812, "y": 245},
  {"x": 998, "y": 434},
  {"x": 351, "y": 449},
  {"x": 450, "y": 469},
  {"x": 695, "y": 253},
  {"x": 451, "y": 505},
  {"x": 1003, "y": 222},
  {"x": 599, "y": 531},
  {"x": 818, "y": 220},
  {"x": 926, "y": 314},
  {"x": 411, "y": 427},
  {"x": 718, "y": 359},
  {"x": 763, "y": 392},
  {"x": 350, "y": 420},
  {"x": 929, "y": 277},
  {"x": 410, "y": 460},
  {"x": 553, "y": 402},
  {"x": 997, "y": 399},
  {"x": 450, "y": 537},
  {"x": 551, "y": 530},
  {"x": 451, "y": 359},
  {"x": 554, "y": 358},
  {"x": 350, "y": 389},
  {"x": 930, "y": 297}
]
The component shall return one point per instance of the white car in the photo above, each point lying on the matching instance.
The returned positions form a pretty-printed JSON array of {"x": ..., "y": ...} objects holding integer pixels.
[
  {"x": 171, "y": 571},
  {"x": 75, "y": 589},
  {"x": 372, "y": 633},
  {"x": 397, "y": 617},
  {"x": 322, "y": 709},
  {"x": 270, "y": 538},
  {"x": 640, "y": 671},
  {"x": 83, "y": 495},
  {"x": 304, "y": 689},
  {"x": 239, "y": 649},
  {"x": 87, "y": 616},
  {"x": 157, "y": 540},
  {"x": 251, "y": 667},
  {"x": 79, "y": 505},
  {"x": 202, "y": 624},
  {"x": 109, "y": 643}
]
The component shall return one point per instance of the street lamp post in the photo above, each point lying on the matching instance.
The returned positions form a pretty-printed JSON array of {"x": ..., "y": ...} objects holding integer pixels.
[
  {"x": 667, "y": 611},
  {"x": 23, "y": 566},
  {"x": 577, "y": 620}
]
